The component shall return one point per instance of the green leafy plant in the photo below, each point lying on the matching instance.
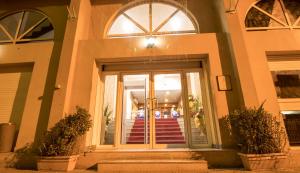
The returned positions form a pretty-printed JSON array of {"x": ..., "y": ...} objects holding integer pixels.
[
  {"x": 196, "y": 112},
  {"x": 62, "y": 139},
  {"x": 107, "y": 113},
  {"x": 257, "y": 131},
  {"x": 194, "y": 104}
]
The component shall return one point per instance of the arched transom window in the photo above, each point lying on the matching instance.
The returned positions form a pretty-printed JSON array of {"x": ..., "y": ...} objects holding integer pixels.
[
  {"x": 152, "y": 18},
  {"x": 25, "y": 26},
  {"x": 273, "y": 14}
]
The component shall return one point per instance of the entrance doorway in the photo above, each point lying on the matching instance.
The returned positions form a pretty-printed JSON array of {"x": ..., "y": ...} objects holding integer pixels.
[{"x": 155, "y": 108}]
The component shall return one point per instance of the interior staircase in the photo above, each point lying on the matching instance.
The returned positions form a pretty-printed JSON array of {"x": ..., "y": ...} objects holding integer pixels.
[{"x": 168, "y": 131}]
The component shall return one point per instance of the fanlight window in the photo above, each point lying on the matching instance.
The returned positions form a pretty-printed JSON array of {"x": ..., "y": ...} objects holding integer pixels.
[
  {"x": 25, "y": 26},
  {"x": 274, "y": 14},
  {"x": 152, "y": 18}
]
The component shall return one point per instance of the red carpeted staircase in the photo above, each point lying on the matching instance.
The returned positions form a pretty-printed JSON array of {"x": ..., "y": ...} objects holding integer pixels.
[{"x": 167, "y": 132}]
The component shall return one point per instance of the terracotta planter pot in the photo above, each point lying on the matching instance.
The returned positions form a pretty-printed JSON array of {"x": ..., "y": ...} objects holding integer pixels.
[
  {"x": 255, "y": 162},
  {"x": 7, "y": 136},
  {"x": 57, "y": 163}
]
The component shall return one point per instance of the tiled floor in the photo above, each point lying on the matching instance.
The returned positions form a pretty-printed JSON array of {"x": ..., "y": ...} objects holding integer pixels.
[{"x": 4, "y": 170}]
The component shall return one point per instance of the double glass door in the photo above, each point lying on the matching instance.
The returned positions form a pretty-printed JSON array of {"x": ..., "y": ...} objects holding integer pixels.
[{"x": 155, "y": 110}]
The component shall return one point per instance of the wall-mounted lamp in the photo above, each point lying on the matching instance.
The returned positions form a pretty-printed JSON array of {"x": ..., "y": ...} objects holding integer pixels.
[
  {"x": 57, "y": 87},
  {"x": 150, "y": 42},
  {"x": 231, "y": 5}
]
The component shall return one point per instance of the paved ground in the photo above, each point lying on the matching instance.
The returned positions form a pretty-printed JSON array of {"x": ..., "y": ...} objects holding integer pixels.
[{"x": 4, "y": 170}]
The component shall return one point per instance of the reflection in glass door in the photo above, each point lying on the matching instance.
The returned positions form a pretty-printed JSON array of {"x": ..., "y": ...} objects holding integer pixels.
[
  {"x": 197, "y": 113},
  {"x": 168, "y": 109},
  {"x": 109, "y": 110},
  {"x": 158, "y": 110},
  {"x": 135, "y": 112}
]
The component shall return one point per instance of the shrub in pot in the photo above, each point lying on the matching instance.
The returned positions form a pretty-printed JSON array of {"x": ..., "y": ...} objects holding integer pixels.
[
  {"x": 261, "y": 138},
  {"x": 60, "y": 147}
]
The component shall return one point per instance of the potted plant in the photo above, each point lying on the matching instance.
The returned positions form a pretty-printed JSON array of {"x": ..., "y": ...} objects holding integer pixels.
[
  {"x": 60, "y": 145},
  {"x": 261, "y": 138},
  {"x": 107, "y": 119},
  {"x": 107, "y": 114},
  {"x": 197, "y": 113}
]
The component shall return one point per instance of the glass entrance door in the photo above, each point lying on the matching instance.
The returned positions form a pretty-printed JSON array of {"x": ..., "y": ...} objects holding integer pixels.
[
  {"x": 135, "y": 126},
  {"x": 168, "y": 111},
  {"x": 152, "y": 110},
  {"x": 157, "y": 110}
]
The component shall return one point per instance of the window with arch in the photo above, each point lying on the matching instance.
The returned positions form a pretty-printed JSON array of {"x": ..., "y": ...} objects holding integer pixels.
[
  {"x": 152, "y": 18},
  {"x": 25, "y": 26},
  {"x": 273, "y": 14}
]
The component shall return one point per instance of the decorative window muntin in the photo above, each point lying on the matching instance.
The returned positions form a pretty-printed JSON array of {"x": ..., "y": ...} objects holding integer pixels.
[
  {"x": 273, "y": 14},
  {"x": 25, "y": 26},
  {"x": 152, "y": 18}
]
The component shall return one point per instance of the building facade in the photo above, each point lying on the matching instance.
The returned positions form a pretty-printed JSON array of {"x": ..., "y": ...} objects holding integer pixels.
[{"x": 157, "y": 76}]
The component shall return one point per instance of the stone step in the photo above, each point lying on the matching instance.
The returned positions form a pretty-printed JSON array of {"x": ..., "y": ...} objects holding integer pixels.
[
  {"x": 215, "y": 157},
  {"x": 150, "y": 166}
]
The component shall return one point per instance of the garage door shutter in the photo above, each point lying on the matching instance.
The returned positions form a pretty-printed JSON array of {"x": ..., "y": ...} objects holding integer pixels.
[{"x": 14, "y": 83}]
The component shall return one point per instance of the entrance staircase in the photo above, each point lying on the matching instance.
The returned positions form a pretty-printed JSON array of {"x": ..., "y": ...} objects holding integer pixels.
[{"x": 168, "y": 131}]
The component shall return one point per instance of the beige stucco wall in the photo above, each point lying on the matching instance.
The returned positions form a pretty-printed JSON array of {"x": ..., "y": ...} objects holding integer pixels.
[
  {"x": 223, "y": 42},
  {"x": 71, "y": 60},
  {"x": 44, "y": 57},
  {"x": 114, "y": 50},
  {"x": 26, "y": 55},
  {"x": 76, "y": 29},
  {"x": 78, "y": 79},
  {"x": 250, "y": 52},
  {"x": 103, "y": 13},
  {"x": 260, "y": 44},
  {"x": 281, "y": 42}
]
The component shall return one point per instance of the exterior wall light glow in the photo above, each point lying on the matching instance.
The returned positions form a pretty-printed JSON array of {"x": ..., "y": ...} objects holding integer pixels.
[{"x": 150, "y": 42}]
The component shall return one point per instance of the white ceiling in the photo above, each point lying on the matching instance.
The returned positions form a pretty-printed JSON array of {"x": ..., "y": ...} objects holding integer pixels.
[{"x": 167, "y": 86}]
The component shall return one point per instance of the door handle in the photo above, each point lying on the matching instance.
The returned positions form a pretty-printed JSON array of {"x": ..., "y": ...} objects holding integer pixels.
[
  {"x": 154, "y": 104},
  {"x": 148, "y": 101}
]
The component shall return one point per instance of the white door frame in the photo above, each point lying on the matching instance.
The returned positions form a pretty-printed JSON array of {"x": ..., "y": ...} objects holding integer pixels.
[{"x": 207, "y": 108}]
